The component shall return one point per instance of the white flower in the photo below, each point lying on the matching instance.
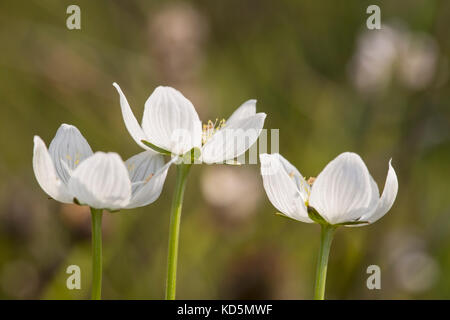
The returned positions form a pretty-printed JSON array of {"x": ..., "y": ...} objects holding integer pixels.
[
  {"x": 70, "y": 172},
  {"x": 171, "y": 124},
  {"x": 393, "y": 52},
  {"x": 343, "y": 193}
]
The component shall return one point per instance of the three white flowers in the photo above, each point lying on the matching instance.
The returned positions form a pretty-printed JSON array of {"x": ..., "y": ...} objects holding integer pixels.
[{"x": 344, "y": 193}]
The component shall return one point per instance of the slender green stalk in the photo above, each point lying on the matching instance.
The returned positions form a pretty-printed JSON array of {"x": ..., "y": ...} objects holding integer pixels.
[
  {"x": 174, "y": 230},
  {"x": 326, "y": 237},
  {"x": 96, "y": 215}
]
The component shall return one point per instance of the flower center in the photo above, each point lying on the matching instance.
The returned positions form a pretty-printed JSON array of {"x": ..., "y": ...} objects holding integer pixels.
[
  {"x": 306, "y": 188},
  {"x": 210, "y": 128},
  {"x": 70, "y": 162},
  {"x": 311, "y": 180}
]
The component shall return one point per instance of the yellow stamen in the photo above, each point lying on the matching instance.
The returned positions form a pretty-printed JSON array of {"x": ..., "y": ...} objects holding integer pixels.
[
  {"x": 77, "y": 158},
  {"x": 210, "y": 128}
]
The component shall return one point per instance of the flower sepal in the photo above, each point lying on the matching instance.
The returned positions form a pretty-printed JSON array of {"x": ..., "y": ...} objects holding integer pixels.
[
  {"x": 284, "y": 216},
  {"x": 316, "y": 217},
  {"x": 156, "y": 148},
  {"x": 352, "y": 223}
]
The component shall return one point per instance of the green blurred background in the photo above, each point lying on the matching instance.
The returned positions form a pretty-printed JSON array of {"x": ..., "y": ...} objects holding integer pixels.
[{"x": 327, "y": 82}]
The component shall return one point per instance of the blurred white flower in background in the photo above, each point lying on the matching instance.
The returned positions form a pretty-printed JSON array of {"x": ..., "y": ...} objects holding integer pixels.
[
  {"x": 417, "y": 64},
  {"x": 393, "y": 52},
  {"x": 414, "y": 269},
  {"x": 177, "y": 33},
  {"x": 234, "y": 193}
]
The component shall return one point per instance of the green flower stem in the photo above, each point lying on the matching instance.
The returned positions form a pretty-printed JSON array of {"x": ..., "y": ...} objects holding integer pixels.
[
  {"x": 326, "y": 238},
  {"x": 174, "y": 231},
  {"x": 96, "y": 253}
]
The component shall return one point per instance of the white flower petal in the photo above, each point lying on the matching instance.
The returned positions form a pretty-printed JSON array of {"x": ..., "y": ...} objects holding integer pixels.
[
  {"x": 148, "y": 174},
  {"x": 101, "y": 182},
  {"x": 343, "y": 191},
  {"x": 233, "y": 139},
  {"x": 131, "y": 123},
  {"x": 68, "y": 149},
  {"x": 246, "y": 110},
  {"x": 387, "y": 198},
  {"x": 171, "y": 122},
  {"x": 281, "y": 189},
  {"x": 371, "y": 208},
  {"x": 302, "y": 186},
  {"x": 142, "y": 166},
  {"x": 45, "y": 173}
]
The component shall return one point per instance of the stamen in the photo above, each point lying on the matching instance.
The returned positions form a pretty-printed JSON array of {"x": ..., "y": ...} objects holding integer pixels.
[
  {"x": 311, "y": 180},
  {"x": 301, "y": 181},
  {"x": 210, "y": 128},
  {"x": 77, "y": 159}
]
